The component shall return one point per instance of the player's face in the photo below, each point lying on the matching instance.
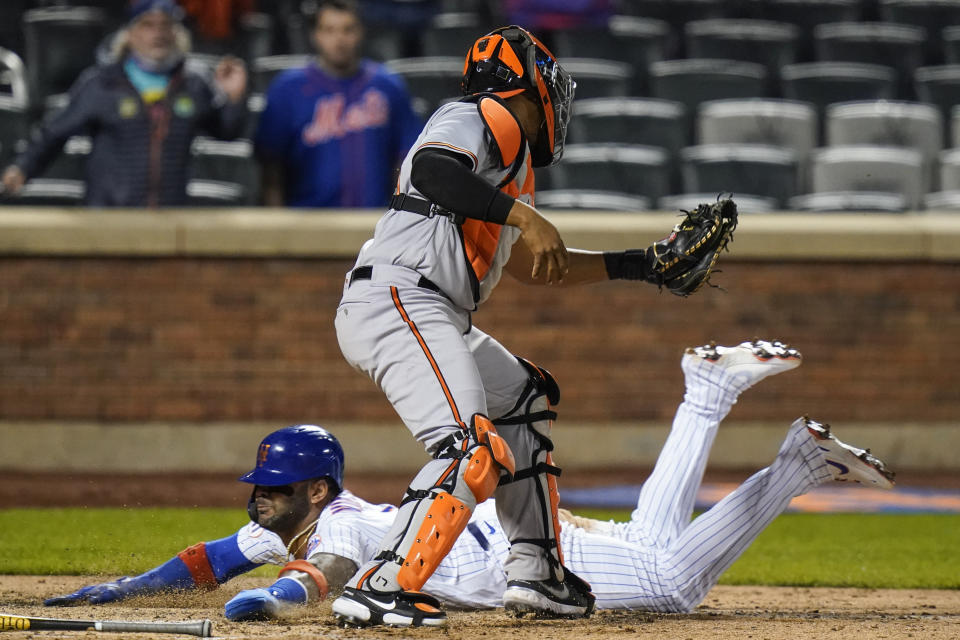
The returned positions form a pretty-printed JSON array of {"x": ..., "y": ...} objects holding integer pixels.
[
  {"x": 529, "y": 115},
  {"x": 152, "y": 36},
  {"x": 281, "y": 508},
  {"x": 337, "y": 37}
]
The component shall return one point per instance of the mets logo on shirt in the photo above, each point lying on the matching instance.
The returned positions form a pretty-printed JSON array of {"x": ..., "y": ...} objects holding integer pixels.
[
  {"x": 184, "y": 107},
  {"x": 333, "y": 118}
]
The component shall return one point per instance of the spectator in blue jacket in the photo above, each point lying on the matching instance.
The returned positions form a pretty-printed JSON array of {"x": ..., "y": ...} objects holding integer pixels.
[
  {"x": 333, "y": 133},
  {"x": 142, "y": 111}
]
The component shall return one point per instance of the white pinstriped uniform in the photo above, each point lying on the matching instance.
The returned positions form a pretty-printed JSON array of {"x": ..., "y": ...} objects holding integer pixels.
[{"x": 658, "y": 561}]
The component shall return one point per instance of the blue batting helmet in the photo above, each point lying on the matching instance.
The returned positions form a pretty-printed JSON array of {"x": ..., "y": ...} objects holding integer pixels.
[{"x": 296, "y": 453}]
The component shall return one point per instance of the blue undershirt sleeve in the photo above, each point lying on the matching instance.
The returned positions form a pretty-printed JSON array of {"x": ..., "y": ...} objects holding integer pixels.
[{"x": 227, "y": 560}]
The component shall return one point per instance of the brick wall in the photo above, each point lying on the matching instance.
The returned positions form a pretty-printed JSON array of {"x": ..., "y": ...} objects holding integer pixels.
[{"x": 206, "y": 339}]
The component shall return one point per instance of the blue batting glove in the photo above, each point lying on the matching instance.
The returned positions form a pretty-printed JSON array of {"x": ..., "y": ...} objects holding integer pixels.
[
  {"x": 263, "y": 604},
  {"x": 95, "y": 594},
  {"x": 252, "y": 604}
]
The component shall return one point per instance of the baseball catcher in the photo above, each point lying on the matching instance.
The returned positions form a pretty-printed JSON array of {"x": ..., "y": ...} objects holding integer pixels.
[
  {"x": 461, "y": 217},
  {"x": 683, "y": 261}
]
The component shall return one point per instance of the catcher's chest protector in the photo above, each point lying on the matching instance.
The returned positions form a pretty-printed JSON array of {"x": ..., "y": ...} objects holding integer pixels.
[{"x": 480, "y": 239}]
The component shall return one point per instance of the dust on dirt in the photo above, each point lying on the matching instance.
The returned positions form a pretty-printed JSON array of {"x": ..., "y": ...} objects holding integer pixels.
[{"x": 728, "y": 613}]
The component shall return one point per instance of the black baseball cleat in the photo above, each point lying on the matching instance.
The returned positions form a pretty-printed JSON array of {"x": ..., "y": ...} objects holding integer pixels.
[
  {"x": 361, "y": 608},
  {"x": 549, "y": 598}
]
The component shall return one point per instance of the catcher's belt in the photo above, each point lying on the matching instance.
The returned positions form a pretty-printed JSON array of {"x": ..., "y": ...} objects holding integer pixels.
[
  {"x": 366, "y": 273},
  {"x": 413, "y": 204}
]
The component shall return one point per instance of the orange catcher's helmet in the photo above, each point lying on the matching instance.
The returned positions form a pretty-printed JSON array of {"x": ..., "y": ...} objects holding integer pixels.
[{"x": 509, "y": 61}]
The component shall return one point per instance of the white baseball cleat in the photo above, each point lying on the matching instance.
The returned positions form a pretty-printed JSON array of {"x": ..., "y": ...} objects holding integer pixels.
[
  {"x": 750, "y": 361},
  {"x": 848, "y": 464}
]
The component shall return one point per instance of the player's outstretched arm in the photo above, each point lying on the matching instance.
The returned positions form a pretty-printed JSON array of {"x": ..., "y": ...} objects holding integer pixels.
[
  {"x": 682, "y": 262},
  {"x": 205, "y": 565},
  {"x": 300, "y": 582},
  {"x": 583, "y": 267}
]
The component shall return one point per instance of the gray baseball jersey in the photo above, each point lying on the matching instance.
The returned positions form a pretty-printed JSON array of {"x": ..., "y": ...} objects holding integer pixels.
[{"x": 432, "y": 246}]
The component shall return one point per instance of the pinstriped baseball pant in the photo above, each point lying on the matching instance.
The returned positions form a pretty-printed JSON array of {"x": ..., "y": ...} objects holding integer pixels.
[{"x": 661, "y": 560}]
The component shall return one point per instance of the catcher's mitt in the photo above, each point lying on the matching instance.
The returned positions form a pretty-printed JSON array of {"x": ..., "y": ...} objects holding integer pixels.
[{"x": 683, "y": 261}]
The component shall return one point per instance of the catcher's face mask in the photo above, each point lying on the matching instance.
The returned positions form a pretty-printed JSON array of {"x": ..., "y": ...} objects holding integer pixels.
[{"x": 509, "y": 61}]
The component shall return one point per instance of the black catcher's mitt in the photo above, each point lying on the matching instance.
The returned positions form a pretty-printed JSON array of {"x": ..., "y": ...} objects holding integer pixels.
[{"x": 683, "y": 261}]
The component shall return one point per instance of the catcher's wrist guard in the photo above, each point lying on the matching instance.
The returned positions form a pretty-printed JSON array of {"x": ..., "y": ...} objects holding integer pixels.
[{"x": 632, "y": 264}]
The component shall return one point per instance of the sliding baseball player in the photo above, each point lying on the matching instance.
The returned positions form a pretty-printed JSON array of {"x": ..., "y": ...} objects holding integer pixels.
[{"x": 303, "y": 520}]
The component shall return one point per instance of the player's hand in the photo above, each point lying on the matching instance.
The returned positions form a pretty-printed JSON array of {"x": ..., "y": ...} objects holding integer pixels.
[
  {"x": 13, "y": 179},
  {"x": 93, "y": 594},
  {"x": 231, "y": 77},
  {"x": 252, "y": 604},
  {"x": 544, "y": 242}
]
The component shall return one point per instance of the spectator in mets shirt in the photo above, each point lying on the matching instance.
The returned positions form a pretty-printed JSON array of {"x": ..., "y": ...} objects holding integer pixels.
[
  {"x": 334, "y": 132},
  {"x": 142, "y": 111}
]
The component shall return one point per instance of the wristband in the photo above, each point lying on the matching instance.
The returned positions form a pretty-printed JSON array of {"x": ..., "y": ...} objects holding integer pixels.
[
  {"x": 289, "y": 590},
  {"x": 627, "y": 265},
  {"x": 308, "y": 567}
]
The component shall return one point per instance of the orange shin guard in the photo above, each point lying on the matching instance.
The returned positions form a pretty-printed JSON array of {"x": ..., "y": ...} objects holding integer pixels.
[{"x": 446, "y": 518}]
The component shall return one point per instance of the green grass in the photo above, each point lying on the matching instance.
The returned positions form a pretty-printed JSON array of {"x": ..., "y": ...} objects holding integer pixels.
[
  {"x": 81, "y": 541},
  {"x": 851, "y": 550}
]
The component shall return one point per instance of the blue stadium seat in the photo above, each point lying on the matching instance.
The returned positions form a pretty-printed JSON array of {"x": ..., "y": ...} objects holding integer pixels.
[
  {"x": 14, "y": 103},
  {"x": 940, "y": 86},
  {"x": 689, "y": 202},
  {"x": 808, "y": 14},
  {"x": 823, "y": 83},
  {"x": 781, "y": 123},
  {"x": 772, "y": 44},
  {"x": 676, "y": 13},
  {"x": 452, "y": 34},
  {"x": 867, "y": 168},
  {"x": 898, "y": 46},
  {"x": 695, "y": 80},
  {"x": 431, "y": 81},
  {"x": 585, "y": 199},
  {"x": 633, "y": 169},
  {"x": 226, "y": 162},
  {"x": 60, "y": 43},
  {"x": 636, "y": 41},
  {"x": 888, "y": 123},
  {"x": 931, "y": 15},
  {"x": 850, "y": 201},
  {"x": 648, "y": 121},
  {"x": 753, "y": 170},
  {"x": 597, "y": 78}
]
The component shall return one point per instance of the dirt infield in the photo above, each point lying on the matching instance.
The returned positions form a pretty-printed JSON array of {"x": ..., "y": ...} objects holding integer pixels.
[{"x": 738, "y": 613}]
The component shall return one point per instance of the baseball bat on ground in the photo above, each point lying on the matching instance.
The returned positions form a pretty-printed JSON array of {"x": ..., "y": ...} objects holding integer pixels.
[{"x": 202, "y": 628}]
